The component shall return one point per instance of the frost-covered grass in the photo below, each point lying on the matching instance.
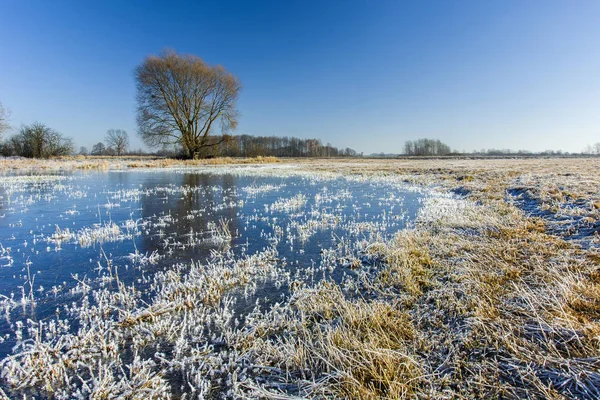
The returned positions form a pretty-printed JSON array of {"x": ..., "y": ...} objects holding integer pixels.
[
  {"x": 117, "y": 163},
  {"x": 477, "y": 298}
]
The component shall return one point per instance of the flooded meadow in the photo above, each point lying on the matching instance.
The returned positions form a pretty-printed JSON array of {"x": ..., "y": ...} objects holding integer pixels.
[
  {"x": 109, "y": 277},
  {"x": 305, "y": 279}
]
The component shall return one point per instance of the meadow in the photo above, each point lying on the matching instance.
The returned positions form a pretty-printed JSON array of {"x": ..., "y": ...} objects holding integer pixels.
[{"x": 319, "y": 278}]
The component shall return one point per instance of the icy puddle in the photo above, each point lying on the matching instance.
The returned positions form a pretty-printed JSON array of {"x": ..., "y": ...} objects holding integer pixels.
[{"x": 112, "y": 282}]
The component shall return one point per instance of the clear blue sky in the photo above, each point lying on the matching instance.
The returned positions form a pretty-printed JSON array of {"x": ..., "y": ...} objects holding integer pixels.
[{"x": 362, "y": 74}]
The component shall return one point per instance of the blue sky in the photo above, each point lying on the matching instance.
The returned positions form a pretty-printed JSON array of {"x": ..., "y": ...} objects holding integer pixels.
[{"x": 362, "y": 74}]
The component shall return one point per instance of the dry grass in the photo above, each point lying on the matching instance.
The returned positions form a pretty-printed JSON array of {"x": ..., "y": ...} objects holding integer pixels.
[
  {"x": 477, "y": 301},
  {"x": 509, "y": 313},
  {"x": 119, "y": 163},
  {"x": 480, "y": 303},
  {"x": 333, "y": 346}
]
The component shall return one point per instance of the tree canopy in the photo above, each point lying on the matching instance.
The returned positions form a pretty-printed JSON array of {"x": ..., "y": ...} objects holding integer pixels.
[{"x": 181, "y": 99}]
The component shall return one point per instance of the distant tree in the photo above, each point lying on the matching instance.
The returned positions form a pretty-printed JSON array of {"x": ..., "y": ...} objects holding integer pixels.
[
  {"x": 83, "y": 151},
  {"x": 349, "y": 152},
  {"x": 4, "y": 115},
  {"x": 118, "y": 140},
  {"x": 39, "y": 141},
  {"x": 180, "y": 100},
  {"x": 426, "y": 147},
  {"x": 138, "y": 152},
  {"x": 99, "y": 149}
]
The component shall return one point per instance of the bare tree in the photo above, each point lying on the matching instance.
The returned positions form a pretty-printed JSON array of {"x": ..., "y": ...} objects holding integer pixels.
[
  {"x": 4, "y": 114},
  {"x": 181, "y": 99},
  {"x": 98, "y": 149},
  {"x": 426, "y": 147},
  {"x": 118, "y": 140},
  {"x": 39, "y": 141}
]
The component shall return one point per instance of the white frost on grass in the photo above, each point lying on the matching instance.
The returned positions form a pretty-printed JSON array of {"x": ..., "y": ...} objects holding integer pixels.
[
  {"x": 28, "y": 179},
  {"x": 219, "y": 233},
  {"x": 255, "y": 189},
  {"x": 179, "y": 323},
  {"x": 288, "y": 204},
  {"x": 448, "y": 211},
  {"x": 188, "y": 313},
  {"x": 85, "y": 237}
]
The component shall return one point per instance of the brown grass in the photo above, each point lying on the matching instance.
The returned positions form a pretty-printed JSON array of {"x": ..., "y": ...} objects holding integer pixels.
[
  {"x": 481, "y": 303},
  {"x": 506, "y": 311}
]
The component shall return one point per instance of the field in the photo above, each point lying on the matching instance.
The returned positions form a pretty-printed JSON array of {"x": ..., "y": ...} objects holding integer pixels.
[{"x": 489, "y": 287}]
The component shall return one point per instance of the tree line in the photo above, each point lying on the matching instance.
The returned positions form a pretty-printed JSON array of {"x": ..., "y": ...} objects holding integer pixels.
[
  {"x": 40, "y": 141},
  {"x": 592, "y": 149},
  {"x": 277, "y": 146},
  {"x": 588, "y": 150}
]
